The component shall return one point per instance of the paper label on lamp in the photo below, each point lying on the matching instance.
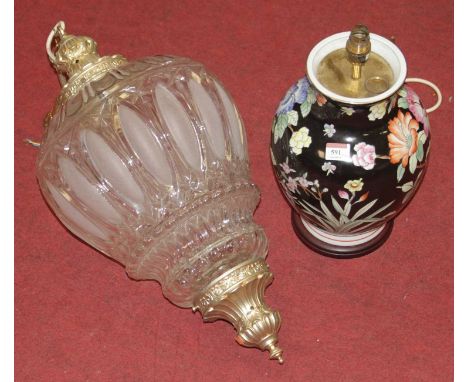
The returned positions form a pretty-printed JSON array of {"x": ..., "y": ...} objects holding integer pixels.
[{"x": 338, "y": 151}]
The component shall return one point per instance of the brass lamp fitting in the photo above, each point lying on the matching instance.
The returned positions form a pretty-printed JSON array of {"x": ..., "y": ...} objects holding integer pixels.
[{"x": 358, "y": 47}]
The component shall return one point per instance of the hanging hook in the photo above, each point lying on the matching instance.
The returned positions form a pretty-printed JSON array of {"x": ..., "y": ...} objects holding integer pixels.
[{"x": 57, "y": 31}]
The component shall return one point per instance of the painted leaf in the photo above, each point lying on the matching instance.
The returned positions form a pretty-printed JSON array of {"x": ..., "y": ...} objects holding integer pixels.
[
  {"x": 293, "y": 117},
  {"x": 403, "y": 103},
  {"x": 324, "y": 225},
  {"x": 418, "y": 178},
  {"x": 344, "y": 220},
  {"x": 358, "y": 227},
  {"x": 400, "y": 172},
  {"x": 330, "y": 216},
  {"x": 422, "y": 137},
  {"x": 337, "y": 206},
  {"x": 280, "y": 126},
  {"x": 347, "y": 208},
  {"x": 366, "y": 226},
  {"x": 364, "y": 209},
  {"x": 402, "y": 92},
  {"x": 305, "y": 108},
  {"x": 420, "y": 152},
  {"x": 353, "y": 226},
  {"x": 327, "y": 225},
  {"x": 413, "y": 162},
  {"x": 273, "y": 159},
  {"x": 311, "y": 207},
  {"x": 407, "y": 186},
  {"x": 311, "y": 96},
  {"x": 407, "y": 197},
  {"x": 375, "y": 213},
  {"x": 389, "y": 214}
]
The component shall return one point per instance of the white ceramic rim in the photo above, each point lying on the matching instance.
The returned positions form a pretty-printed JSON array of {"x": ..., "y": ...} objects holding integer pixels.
[{"x": 380, "y": 45}]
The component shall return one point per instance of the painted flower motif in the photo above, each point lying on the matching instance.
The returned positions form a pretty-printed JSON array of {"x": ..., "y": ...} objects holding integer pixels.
[
  {"x": 403, "y": 138},
  {"x": 347, "y": 110},
  {"x": 286, "y": 168},
  {"x": 363, "y": 197},
  {"x": 303, "y": 182},
  {"x": 354, "y": 185},
  {"x": 343, "y": 194},
  {"x": 329, "y": 130},
  {"x": 392, "y": 103},
  {"x": 299, "y": 140},
  {"x": 321, "y": 100},
  {"x": 414, "y": 105},
  {"x": 424, "y": 117},
  {"x": 329, "y": 168},
  {"x": 365, "y": 156},
  {"x": 296, "y": 94},
  {"x": 411, "y": 96},
  {"x": 377, "y": 111},
  {"x": 287, "y": 103},
  {"x": 291, "y": 184},
  {"x": 300, "y": 95}
]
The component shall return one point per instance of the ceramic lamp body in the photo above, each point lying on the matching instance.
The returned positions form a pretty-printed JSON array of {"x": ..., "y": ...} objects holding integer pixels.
[
  {"x": 148, "y": 164},
  {"x": 349, "y": 166}
]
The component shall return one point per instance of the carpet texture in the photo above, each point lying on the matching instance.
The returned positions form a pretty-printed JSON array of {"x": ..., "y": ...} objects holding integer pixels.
[{"x": 384, "y": 317}]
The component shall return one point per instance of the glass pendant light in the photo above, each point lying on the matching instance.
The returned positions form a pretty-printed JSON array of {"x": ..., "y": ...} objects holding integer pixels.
[{"x": 147, "y": 162}]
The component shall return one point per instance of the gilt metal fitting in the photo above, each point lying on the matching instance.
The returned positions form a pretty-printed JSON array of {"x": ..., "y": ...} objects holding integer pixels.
[{"x": 237, "y": 297}]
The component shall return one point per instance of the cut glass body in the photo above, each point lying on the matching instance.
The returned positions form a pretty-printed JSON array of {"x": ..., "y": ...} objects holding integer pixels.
[{"x": 148, "y": 164}]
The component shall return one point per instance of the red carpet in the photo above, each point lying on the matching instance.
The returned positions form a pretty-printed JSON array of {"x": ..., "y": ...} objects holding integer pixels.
[{"x": 384, "y": 317}]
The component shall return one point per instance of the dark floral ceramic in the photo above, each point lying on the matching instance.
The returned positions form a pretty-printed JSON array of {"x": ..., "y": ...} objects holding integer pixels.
[{"x": 348, "y": 169}]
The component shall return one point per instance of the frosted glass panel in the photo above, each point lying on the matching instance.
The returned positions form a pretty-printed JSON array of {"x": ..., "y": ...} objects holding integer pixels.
[
  {"x": 179, "y": 126},
  {"x": 235, "y": 124},
  {"x": 145, "y": 145},
  {"x": 210, "y": 116},
  {"x": 90, "y": 195},
  {"x": 140, "y": 171},
  {"x": 112, "y": 168},
  {"x": 74, "y": 216}
]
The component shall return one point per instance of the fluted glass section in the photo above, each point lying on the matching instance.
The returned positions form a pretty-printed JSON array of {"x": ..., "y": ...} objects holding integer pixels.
[{"x": 148, "y": 163}]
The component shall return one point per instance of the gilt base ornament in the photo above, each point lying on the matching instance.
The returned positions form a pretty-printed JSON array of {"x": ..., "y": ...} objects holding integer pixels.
[
  {"x": 350, "y": 143},
  {"x": 237, "y": 297},
  {"x": 146, "y": 161}
]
